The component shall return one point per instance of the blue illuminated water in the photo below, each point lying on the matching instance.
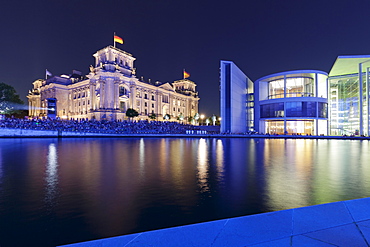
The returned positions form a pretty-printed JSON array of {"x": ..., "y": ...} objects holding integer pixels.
[{"x": 60, "y": 191}]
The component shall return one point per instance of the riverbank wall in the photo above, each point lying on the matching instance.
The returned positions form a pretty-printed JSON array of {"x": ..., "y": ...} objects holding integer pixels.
[{"x": 29, "y": 133}]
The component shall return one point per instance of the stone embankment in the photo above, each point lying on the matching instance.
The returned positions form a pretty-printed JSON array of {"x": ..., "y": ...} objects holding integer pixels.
[{"x": 20, "y": 133}]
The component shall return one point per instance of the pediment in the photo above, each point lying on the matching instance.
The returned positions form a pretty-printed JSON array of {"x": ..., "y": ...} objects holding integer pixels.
[{"x": 167, "y": 86}]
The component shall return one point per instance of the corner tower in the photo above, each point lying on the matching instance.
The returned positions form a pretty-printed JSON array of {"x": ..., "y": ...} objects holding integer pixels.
[
  {"x": 185, "y": 86},
  {"x": 112, "y": 59}
]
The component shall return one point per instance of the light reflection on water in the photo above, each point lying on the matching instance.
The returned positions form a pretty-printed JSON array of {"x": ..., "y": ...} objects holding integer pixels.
[
  {"x": 202, "y": 166},
  {"x": 51, "y": 175},
  {"x": 96, "y": 188}
]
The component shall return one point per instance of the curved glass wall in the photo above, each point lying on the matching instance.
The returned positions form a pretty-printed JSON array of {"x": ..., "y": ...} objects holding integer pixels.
[
  {"x": 272, "y": 110},
  {"x": 295, "y": 87},
  {"x": 293, "y": 102},
  {"x": 294, "y": 109},
  {"x": 293, "y": 127},
  {"x": 276, "y": 89}
]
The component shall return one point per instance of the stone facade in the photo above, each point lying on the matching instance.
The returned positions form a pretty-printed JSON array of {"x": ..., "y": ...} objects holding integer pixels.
[{"x": 109, "y": 90}]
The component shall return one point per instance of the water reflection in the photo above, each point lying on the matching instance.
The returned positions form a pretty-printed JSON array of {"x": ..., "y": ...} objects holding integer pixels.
[
  {"x": 51, "y": 174},
  {"x": 1, "y": 165},
  {"x": 289, "y": 173},
  {"x": 1, "y": 172},
  {"x": 96, "y": 188},
  {"x": 142, "y": 155},
  {"x": 202, "y": 166},
  {"x": 219, "y": 152}
]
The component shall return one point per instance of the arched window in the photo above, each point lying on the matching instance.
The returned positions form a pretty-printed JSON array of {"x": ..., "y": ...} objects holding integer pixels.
[{"x": 122, "y": 91}]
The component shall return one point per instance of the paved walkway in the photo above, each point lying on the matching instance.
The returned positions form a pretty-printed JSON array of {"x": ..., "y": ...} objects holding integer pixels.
[{"x": 344, "y": 223}]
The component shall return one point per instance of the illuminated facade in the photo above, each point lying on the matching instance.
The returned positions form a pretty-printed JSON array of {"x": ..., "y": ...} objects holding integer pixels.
[
  {"x": 307, "y": 102},
  {"x": 109, "y": 90},
  {"x": 237, "y": 98},
  {"x": 293, "y": 102},
  {"x": 348, "y": 80}
]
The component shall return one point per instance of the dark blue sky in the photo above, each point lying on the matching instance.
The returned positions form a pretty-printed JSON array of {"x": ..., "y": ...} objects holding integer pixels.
[{"x": 262, "y": 37}]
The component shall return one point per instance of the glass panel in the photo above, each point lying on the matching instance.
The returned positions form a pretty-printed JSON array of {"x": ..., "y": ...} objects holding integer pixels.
[
  {"x": 322, "y": 127},
  {"x": 272, "y": 110},
  {"x": 274, "y": 127},
  {"x": 299, "y": 87},
  {"x": 305, "y": 127},
  {"x": 276, "y": 89},
  {"x": 294, "y": 109},
  {"x": 344, "y": 105},
  {"x": 323, "y": 110},
  {"x": 322, "y": 86},
  {"x": 295, "y": 87},
  {"x": 309, "y": 109}
]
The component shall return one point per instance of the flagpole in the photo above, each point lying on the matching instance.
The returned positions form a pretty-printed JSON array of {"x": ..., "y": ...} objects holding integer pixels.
[
  {"x": 114, "y": 41},
  {"x": 183, "y": 73}
]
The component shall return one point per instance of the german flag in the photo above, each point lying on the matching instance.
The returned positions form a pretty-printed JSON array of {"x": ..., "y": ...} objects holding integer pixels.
[
  {"x": 186, "y": 74},
  {"x": 118, "y": 39}
]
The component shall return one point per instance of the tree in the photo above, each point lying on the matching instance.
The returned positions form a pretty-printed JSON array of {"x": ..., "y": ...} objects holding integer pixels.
[
  {"x": 180, "y": 117},
  {"x": 190, "y": 119},
  {"x": 152, "y": 116},
  {"x": 131, "y": 113},
  {"x": 10, "y": 103}
]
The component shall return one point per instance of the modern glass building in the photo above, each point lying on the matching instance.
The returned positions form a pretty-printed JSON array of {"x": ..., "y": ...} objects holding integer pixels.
[
  {"x": 303, "y": 102},
  {"x": 236, "y": 99},
  {"x": 293, "y": 102},
  {"x": 349, "y": 96}
]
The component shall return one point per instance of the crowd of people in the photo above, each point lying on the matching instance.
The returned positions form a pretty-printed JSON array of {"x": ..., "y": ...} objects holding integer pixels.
[{"x": 100, "y": 126}]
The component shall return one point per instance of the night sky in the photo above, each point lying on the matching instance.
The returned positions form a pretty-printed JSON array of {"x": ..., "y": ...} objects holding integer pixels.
[{"x": 166, "y": 36}]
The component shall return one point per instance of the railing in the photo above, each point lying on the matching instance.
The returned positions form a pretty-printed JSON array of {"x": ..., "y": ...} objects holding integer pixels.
[{"x": 290, "y": 95}]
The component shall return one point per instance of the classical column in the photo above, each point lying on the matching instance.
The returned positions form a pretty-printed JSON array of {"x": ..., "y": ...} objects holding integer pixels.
[
  {"x": 157, "y": 104},
  {"x": 92, "y": 95},
  {"x": 102, "y": 93},
  {"x": 116, "y": 94},
  {"x": 133, "y": 96}
]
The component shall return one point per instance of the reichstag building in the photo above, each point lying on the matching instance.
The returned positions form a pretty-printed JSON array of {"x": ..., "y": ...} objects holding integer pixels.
[{"x": 109, "y": 90}]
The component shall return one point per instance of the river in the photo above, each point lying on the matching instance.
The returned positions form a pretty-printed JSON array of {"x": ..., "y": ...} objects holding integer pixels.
[{"x": 60, "y": 191}]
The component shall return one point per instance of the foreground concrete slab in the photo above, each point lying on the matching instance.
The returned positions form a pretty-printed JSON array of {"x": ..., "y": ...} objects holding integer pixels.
[{"x": 345, "y": 223}]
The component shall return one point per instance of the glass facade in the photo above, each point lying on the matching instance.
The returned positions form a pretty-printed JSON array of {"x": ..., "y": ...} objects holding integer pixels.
[
  {"x": 293, "y": 102},
  {"x": 313, "y": 101},
  {"x": 250, "y": 111},
  {"x": 272, "y": 110},
  {"x": 294, "y": 109},
  {"x": 345, "y": 106},
  {"x": 293, "y": 127},
  {"x": 295, "y": 87},
  {"x": 302, "y": 127},
  {"x": 276, "y": 89},
  {"x": 301, "y": 109}
]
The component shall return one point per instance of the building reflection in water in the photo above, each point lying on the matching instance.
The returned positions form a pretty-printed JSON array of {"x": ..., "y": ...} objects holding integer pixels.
[
  {"x": 142, "y": 155},
  {"x": 1, "y": 170},
  {"x": 51, "y": 175},
  {"x": 288, "y": 173},
  {"x": 219, "y": 152},
  {"x": 103, "y": 187},
  {"x": 202, "y": 165}
]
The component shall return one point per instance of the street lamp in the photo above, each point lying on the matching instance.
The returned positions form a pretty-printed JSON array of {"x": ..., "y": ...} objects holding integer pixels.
[{"x": 202, "y": 117}]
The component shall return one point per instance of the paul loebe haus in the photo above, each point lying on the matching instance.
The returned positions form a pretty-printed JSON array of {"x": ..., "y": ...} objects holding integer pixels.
[
  {"x": 109, "y": 90},
  {"x": 307, "y": 102}
]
